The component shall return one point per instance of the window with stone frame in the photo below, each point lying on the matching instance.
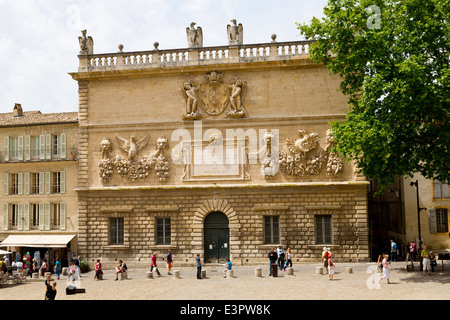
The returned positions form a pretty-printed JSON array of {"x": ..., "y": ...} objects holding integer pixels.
[
  {"x": 272, "y": 229},
  {"x": 14, "y": 183},
  {"x": 34, "y": 183},
  {"x": 116, "y": 231},
  {"x": 323, "y": 229},
  {"x": 163, "y": 231}
]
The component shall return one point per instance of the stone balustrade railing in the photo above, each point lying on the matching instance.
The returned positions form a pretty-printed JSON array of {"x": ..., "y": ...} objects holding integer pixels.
[{"x": 194, "y": 56}]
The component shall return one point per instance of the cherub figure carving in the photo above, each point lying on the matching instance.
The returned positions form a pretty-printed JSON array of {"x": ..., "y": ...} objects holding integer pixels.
[
  {"x": 86, "y": 43},
  {"x": 192, "y": 101},
  {"x": 194, "y": 36},
  {"x": 237, "y": 109},
  {"x": 132, "y": 147},
  {"x": 235, "y": 33}
]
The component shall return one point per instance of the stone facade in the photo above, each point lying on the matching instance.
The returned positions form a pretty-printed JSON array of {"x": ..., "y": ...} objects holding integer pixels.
[{"x": 145, "y": 120}]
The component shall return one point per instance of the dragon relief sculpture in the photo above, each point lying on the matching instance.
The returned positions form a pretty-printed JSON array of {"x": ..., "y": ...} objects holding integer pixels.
[
  {"x": 130, "y": 167},
  {"x": 300, "y": 164}
]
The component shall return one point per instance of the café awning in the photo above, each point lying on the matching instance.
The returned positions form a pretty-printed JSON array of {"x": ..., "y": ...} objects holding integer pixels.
[{"x": 37, "y": 241}]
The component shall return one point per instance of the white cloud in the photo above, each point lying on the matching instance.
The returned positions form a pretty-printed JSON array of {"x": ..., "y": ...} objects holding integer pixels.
[{"x": 39, "y": 38}]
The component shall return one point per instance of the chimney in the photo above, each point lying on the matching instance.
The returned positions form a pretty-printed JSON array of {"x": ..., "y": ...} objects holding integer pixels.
[{"x": 18, "y": 111}]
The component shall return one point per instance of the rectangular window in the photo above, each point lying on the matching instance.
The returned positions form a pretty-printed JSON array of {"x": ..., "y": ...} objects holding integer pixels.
[
  {"x": 272, "y": 229},
  {"x": 56, "y": 182},
  {"x": 14, "y": 213},
  {"x": 442, "y": 220},
  {"x": 14, "y": 183},
  {"x": 35, "y": 147},
  {"x": 163, "y": 233},
  {"x": 116, "y": 231},
  {"x": 56, "y": 218},
  {"x": 34, "y": 215},
  {"x": 14, "y": 148},
  {"x": 34, "y": 176},
  {"x": 323, "y": 229},
  {"x": 440, "y": 190}
]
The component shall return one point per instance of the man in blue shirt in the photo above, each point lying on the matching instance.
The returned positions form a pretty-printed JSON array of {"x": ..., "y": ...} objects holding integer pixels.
[
  {"x": 228, "y": 266},
  {"x": 199, "y": 266}
]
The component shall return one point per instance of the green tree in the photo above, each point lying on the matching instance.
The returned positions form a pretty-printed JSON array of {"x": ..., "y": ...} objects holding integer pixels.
[{"x": 393, "y": 60}]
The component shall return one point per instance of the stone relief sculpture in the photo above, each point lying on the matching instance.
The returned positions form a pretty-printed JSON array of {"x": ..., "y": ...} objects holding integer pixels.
[
  {"x": 237, "y": 109},
  {"x": 335, "y": 164},
  {"x": 299, "y": 163},
  {"x": 214, "y": 95},
  {"x": 132, "y": 147},
  {"x": 86, "y": 43},
  {"x": 194, "y": 36},
  {"x": 235, "y": 33},
  {"x": 270, "y": 166},
  {"x": 192, "y": 101},
  {"x": 131, "y": 168}
]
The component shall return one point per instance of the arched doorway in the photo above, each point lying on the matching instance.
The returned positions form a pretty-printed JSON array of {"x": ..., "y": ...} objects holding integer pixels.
[{"x": 216, "y": 238}]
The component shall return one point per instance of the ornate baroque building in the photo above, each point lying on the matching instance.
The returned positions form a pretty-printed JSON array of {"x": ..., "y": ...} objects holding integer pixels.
[{"x": 218, "y": 151}]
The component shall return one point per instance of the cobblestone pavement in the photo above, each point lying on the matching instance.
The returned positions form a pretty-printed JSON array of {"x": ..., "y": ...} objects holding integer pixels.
[{"x": 305, "y": 284}]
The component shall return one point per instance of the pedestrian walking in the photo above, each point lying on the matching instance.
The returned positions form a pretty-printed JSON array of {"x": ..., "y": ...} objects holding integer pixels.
[
  {"x": 153, "y": 264},
  {"x": 330, "y": 268},
  {"x": 386, "y": 269},
  {"x": 228, "y": 267},
  {"x": 98, "y": 270},
  {"x": 273, "y": 257},
  {"x": 198, "y": 262},
  {"x": 393, "y": 251},
  {"x": 413, "y": 250},
  {"x": 325, "y": 255},
  {"x": 169, "y": 261},
  {"x": 43, "y": 267},
  {"x": 288, "y": 258},
  {"x": 281, "y": 257},
  {"x": 57, "y": 268},
  {"x": 425, "y": 254}
]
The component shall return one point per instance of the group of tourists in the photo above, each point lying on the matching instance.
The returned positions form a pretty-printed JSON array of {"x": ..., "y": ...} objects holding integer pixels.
[{"x": 280, "y": 258}]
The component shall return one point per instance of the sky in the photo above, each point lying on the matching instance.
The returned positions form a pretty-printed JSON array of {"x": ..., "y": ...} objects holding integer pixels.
[{"x": 39, "y": 38}]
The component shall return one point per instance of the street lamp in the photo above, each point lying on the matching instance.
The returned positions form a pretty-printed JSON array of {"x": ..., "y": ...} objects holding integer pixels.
[{"x": 416, "y": 184}]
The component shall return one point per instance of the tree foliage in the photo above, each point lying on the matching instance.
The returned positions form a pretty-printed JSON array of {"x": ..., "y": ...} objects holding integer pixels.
[{"x": 393, "y": 60}]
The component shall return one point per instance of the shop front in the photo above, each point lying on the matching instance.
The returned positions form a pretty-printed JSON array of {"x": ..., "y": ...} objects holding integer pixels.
[{"x": 25, "y": 248}]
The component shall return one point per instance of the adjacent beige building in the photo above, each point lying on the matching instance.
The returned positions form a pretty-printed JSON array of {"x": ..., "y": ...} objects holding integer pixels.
[
  {"x": 39, "y": 168},
  {"x": 434, "y": 221},
  {"x": 218, "y": 151}
]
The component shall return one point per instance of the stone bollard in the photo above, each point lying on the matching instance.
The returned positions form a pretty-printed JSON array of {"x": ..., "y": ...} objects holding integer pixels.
[
  {"x": 349, "y": 270},
  {"x": 203, "y": 274},
  {"x": 64, "y": 271},
  {"x": 149, "y": 275},
  {"x": 319, "y": 270},
  {"x": 230, "y": 274},
  {"x": 124, "y": 275},
  {"x": 290, "y": 271},
  {"x": 176, "y": 274},
  {"x": 36, "y": 275},
  {"x": 258, "y": 272}
]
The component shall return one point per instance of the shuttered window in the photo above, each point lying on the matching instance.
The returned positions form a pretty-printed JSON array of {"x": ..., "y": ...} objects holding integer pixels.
[
  {"x": 440, "y": 190},
  {"x": 323, "y": 229}
]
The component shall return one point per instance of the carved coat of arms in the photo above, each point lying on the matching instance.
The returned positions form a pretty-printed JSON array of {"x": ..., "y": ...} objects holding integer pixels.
[{"x": 214, "y": 94}]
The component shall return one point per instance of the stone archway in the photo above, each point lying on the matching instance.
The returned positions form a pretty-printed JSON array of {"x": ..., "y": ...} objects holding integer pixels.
[{"x": 222, "y": 206}]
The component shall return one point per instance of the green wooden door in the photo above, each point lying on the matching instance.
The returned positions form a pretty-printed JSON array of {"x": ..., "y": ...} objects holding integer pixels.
[{"x": 216, "y": 238}]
